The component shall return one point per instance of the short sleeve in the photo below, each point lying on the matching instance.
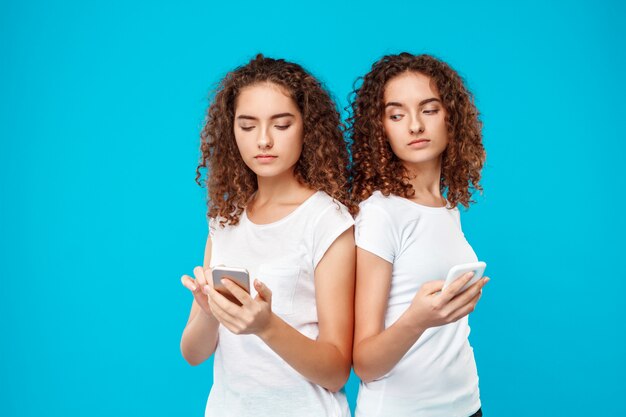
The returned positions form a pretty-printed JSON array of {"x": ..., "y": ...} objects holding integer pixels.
[
  {"x": 456, "y": 214},
  {"x": 213, "y": 225},
  {"x": 331, "y": 223},
  {"x": 374, "y": 232}
]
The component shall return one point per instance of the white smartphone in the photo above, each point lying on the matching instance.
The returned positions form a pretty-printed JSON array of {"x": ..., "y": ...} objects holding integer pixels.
[
  {"x": 478, "y": 268},
  {"x": 239, "y": 276}
]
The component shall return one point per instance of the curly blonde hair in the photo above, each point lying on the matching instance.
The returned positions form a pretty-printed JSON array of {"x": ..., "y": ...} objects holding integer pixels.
[
  {"x": 323, "y": 163},
  {"x": 376, "y": 167}
]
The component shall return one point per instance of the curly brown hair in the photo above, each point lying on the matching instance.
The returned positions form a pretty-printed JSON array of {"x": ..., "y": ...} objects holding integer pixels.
[
  {"x": 323, "y": 163},
  {"x": 376, "y": 167}
]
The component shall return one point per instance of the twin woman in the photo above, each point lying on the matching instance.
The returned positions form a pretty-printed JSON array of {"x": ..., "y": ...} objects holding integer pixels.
[{"x": 287, "y": 203}]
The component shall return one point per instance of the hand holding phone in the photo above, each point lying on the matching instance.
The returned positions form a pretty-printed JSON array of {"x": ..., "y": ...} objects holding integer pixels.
[
  {"x": 478, "y": 268},
  {"x": 239, "y": 276}
]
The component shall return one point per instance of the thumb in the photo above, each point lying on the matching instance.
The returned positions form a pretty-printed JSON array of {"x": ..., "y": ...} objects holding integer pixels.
[
  {"x": 432, "y": 287},
  {"x": 264, "y": 292}
]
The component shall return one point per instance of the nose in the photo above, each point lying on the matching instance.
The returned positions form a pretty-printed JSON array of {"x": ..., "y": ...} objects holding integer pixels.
[
  {"x": 264, "y": 141},
  {"x": 416, "y": 127}
]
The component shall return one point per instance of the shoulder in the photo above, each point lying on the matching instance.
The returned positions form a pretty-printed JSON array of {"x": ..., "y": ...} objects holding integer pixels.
[
  {"x": 325, "y": 206},
  {"x": 456, "y": 215},
  {"x": 218, "y": 225},
  {"x": 378, "y": 205},
  {"x": 376, "y": 226},
  {"x": 330, "y": 219}
]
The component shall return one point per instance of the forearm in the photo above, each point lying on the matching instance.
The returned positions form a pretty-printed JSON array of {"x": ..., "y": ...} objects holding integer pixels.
[
  {"x": 320, "y": 362},
  {"x": 199, "y": 338},
  {"x": 375, "y": 356}
]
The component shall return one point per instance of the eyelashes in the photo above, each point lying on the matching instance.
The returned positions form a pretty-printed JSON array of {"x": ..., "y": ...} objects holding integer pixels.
[
  {"x": 279, "y": 127},
  {"x": 428, "y": 112}
]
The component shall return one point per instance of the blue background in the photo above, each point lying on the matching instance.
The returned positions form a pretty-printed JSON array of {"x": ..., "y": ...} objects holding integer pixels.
[{"x": 102, "y": 104}]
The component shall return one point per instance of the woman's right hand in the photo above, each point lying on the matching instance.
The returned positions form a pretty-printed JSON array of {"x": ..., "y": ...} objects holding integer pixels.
[
  {"x": 433, "y": 306},
  {"x": 198, "y": 286}
]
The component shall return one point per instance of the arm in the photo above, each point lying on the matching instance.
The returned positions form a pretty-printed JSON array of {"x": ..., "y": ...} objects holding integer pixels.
[
  {"x": 325, "y": 361},
  {"x": 376, "y": 349},
  {"x": 199, "y": 338}
]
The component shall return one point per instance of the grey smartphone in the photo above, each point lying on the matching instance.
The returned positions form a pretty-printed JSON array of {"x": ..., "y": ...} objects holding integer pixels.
[{"x": 239, "y": 276}]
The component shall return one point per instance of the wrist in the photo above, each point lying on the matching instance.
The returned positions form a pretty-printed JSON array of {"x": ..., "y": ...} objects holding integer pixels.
[
  {"x": 268, "y": 331},
  {"x": 206, "y": 318},
  {"x": 411, "y": 326}
]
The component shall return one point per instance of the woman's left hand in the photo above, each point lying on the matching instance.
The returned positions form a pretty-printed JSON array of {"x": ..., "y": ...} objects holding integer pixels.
[{"x": 254, "y": 314}]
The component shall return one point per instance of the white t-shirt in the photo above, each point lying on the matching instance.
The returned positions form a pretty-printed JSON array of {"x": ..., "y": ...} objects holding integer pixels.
[
  {"x": 437, "y": 377},
  {"x": 250, "y": 379}
]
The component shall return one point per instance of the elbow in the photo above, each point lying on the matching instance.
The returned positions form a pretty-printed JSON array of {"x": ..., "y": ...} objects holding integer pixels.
[
  {"x": 359, "y": 371},
  {"x": 362, "y": 370},
  {"x": 190, "y": 357},
  {"x": 339, "y": 379},
  {"x": 334, "y": 388},
  {"x": 192, "y": 361},
  {"x": 337, "y": 385},
  {"x": 363, "y": 375}
]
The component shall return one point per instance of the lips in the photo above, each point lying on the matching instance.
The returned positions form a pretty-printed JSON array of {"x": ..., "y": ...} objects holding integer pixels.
[
  {"x": 418, "y": 141},
  {"x": 265, "y": 158}
]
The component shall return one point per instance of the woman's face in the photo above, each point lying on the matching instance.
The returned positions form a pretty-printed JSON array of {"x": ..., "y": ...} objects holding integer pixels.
[
  {"x": 414, "y": 119},
  {"x": 268, "y": 129}
]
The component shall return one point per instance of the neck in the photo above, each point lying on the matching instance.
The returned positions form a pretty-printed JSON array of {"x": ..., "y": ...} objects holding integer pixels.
[
  {"x": 277, "y": 188},
  {"x": 425, "y": 178}
]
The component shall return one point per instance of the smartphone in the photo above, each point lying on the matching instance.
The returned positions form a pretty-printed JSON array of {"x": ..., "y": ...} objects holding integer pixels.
[
  {"x": 478, "y": 268},
  {"x": 239, "y": 276}
]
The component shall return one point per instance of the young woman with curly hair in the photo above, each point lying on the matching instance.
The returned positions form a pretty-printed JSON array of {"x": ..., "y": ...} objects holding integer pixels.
[
  {"x": 277, "y": 183},
  {"x": 417, "y": 154}
]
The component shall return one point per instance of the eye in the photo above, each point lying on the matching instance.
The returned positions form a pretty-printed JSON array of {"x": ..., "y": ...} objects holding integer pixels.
[
  {"x": 282, "y": 127},
  {"x": 246, "y": 128},
  {"x": 431, "y": 111},
  {"x": 396, "y": 117}
]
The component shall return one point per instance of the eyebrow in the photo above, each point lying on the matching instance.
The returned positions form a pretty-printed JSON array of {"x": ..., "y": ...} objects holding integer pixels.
[
  {"x": 276, "y": 116},
  {"x": 421, "y": 103}
]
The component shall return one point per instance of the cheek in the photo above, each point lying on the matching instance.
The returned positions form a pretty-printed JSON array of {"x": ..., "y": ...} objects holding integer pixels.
[
  {"x": 393, "y": 132},
  {"x": 295, "y": 150},
  {"x": 243, "y": 147},
  {"x": 239, "y": 143},
  {"x": 441, "y": 125},
  {"x": 443, "y": 133},
  {"x": 295, "y": 142},
  {"x": 445, "y": 140}
]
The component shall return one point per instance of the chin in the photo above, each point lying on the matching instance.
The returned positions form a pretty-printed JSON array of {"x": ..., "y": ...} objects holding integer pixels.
[
  {"x": 268, "y": 172},
  {"x": 414, "y": 159}
]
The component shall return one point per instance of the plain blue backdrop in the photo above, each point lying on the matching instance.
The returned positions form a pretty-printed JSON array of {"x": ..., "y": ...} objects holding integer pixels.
[{"x": 101, "y": 108}]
